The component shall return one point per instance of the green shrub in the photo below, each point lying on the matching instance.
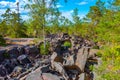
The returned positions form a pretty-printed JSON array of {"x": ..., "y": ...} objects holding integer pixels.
[
  {"x": 67, "y": 44},
  {"x": 44, "y": 49},
  {"x": 99, "y": 54},
  {"x": 109, "y": 69},
  {"x": 2, "y": 41}
]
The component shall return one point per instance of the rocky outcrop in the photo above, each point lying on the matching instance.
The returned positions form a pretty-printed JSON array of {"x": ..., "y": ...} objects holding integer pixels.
[{"x": 63, "y": 63}]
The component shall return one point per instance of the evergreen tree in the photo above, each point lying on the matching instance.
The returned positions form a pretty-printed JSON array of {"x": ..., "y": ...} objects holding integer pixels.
[{"x": 12, "y": 24}]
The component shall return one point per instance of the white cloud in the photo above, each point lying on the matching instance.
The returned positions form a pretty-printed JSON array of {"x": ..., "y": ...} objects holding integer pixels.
[
  {"x": 67, "y": 14},
  {"x": 5, "y": 3},
  {"x": 82, "y": 3},
  {"x": 81, "y": 16},
  {"x": 25, "y": 17},
  {"x": 13, "y": 6},
  {"x": 2, "y": 11},
  {"x": 59, "y": 6}
]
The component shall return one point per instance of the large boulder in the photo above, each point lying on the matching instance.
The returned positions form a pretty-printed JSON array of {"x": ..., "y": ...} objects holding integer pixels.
[
  {"x": 49, "y": 76},
  {"x": 7, "y": 64},
  {"x": 3, "y": 71},
  {"x": 55, "y": 57},
  {"x": 17, "y": 70},
  {"x": 21, "y": 49},
  {"x": 69, "y": 61},
  {"x": 57, "y": 66},
  {"x": 35, "y": 76},
  {"x": 24, "y": 60},
  {"x": 13, "y": 52},
  {"x": 31, "y": 50},
  {"x": 81, "y": 58},
  {"x": 82, "y": 76}
]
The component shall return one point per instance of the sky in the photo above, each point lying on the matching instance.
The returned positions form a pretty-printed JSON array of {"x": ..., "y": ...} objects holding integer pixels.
[{"x": 66, "y": 8}]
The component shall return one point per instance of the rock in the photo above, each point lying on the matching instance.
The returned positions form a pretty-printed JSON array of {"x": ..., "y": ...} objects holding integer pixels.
[
  {"x": 24, "y": 60},
  {"x": 14, "y": 79},
  {"x": 1, "y": 55},
  {"x": 69, "y": 61},
  {"x": 2, "y": 78},
  {"x": 82, "y": 76},
  {"x": 3, "y": 71},
  {"x": 14, "y": 62},
  {"x": 45, "y": 69},
  {"x": 17, "y": 70},
  {"x": 62, "y": 64},
  {"x": 35, "y": 76},
  {"x": 89, "y": 76},
  {"x": 57, "y": 66},
  {"x": 92, "y": 53},
  {"x": 56, "y": 57},
  {"x": 81, "y": 58},
  {"x": 48, "y": 76},
  {"x": 7, "y": 64},
  {"x": 53, "y": 56},
  {"x": 21, "y": 49},
  {"x": 13, "y": 52},
  {"x": 73, "y": 74},
  {"x": 31, "y": 50}
]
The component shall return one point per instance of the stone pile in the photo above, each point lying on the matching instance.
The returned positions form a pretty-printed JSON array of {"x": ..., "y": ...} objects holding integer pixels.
[{"x": 63, "y": 63}]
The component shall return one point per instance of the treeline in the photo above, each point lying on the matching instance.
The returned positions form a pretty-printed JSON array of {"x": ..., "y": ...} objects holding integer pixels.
[{"x": 101, "y": 24}]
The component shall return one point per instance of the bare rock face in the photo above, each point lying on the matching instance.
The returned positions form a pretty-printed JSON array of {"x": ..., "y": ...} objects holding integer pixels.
[
  {"x": 64, "y": 63},
  {"x": 81, "y": 58},
  {"x": 57, "y": 66},
  {"x": 82, "y": 76}
]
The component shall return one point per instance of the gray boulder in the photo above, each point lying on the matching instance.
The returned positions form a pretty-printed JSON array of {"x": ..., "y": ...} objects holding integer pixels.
[
  {"x": 35, "y": 76},
  {"x": 13, "y": 52},
  {"x": 81, "y": 58},
  {"x": 17, "y": 70},
  {"x": 7, "y": 64},
  {"x": 82, "y": 76},
  {"x": 48, "y": 76},
  {"x": 31, "y": 50},
  {"x": 69, "y": 61},
  {"x": 24, "y": 60},
  {"x": 3, "y": 71},
  {"x": 57, "y": 66}
]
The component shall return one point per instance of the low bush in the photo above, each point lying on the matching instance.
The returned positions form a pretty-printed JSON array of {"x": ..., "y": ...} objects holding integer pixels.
[
  {"x": 67, "y": 44},
  {"x": 2, "y": 41},
  {"x": 110, "y": 68},
  {"x": 44, "y": 48}
]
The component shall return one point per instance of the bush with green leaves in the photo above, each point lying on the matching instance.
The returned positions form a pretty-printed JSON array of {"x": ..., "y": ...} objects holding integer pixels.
[
  {"x": 2, "y": 41},
  {"x": 110, "y": 68},
  {"x": 44, "y": 48},
  {"x": 67, "y": 44}
]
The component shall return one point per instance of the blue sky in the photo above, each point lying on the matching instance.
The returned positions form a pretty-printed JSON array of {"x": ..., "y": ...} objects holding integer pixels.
[{"x": 66, "y": 8}]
